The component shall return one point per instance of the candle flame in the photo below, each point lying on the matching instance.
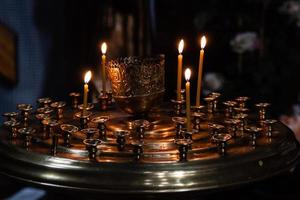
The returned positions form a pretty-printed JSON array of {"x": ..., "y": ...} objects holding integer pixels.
[
  {"x": 103, "y": 48},
  {"x": 187, "y": 74},
  {"x": 87, "y": 77},
  {"x": 203, "y": 42},
  {"x": 180, "y": 46}
]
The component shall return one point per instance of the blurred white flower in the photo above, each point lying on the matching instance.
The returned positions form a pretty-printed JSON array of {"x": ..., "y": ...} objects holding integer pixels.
[
  {"x": 212, "y": 82},
  {"x": 242, "y": 42},
  {"x": 291, "y": 8}
]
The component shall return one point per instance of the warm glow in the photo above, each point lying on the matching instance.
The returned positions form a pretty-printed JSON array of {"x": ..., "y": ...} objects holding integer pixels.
[
  {"x": 180, "y": 46},
  {"x": 203, "y": 42},
  {"x": 103, "y": 48},
  {"x": 187, "y": 74},
  {"x": 87, "y": 77}
]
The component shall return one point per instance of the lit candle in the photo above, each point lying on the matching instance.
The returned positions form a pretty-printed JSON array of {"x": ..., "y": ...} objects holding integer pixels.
[
  {"x": 179, "y": 69},
  {"x": 199, "y": 81},
  {"x": 103, "y": 50},
  {"x": 87, "y": 78},
  {"x": 187, "y": 74}
]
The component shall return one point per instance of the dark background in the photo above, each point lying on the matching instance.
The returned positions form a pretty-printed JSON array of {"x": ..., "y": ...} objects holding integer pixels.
[{"x": 57, "y": 40}]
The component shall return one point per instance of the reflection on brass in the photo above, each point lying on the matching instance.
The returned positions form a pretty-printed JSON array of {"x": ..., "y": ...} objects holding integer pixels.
[{"x": 137, "y": 83}]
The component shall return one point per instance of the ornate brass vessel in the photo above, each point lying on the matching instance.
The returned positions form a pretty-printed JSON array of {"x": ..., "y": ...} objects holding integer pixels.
[{"x": 137, "y": 83}]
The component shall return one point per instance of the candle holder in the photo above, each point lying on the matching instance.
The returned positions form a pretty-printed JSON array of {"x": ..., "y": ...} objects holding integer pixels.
[
  {"x": 26, "y": 133},
  {"x": 179, "y": 121},
  {"x": 84, "y": 117},
  {"x": 44, "y": 110},
  {"x": 13, "y": 127},
  {"x": 221, "y": 139},
  {"x": 121, "y": 141},
  {"x": 254, "y": 131},
  {"x": 262, "y": 107},
  {"x": 140, "y": 127},
  {"x": 215, "y": 96},
  {"x": 178, "y": 106},
  {"x": 75, "y": 96},
  {"x": 197, "y": 120},
  {"x": 103, "y": 101},
  {"x": 137, "y": 149},
  {"x": 242, "y": 101},
  {"x": 229, "y": 105},
  {"x": 88, "y": 107},
  {"x": 68, "y": 130},
  {"x": 44, "y": 102},
  {"x": 269, "y": 123},
  {"x": 232, "y": 126},
  {"x": 240, "y": 110},
  {"x": 183, "y": 148},
  {"x": 59, "y": 106},
  {"x": 100, "y": 121},
  {"x": 40, "y": 117},
  {"x": 243, "y": 122},
  {"x": 210, "y": 104},
  {"x": 197, "y": 109},
  {"x": 53, "y": 124},
  {"x": 11, "y": 116},
  {"x": 90, "y": 132},
  {"x": 25, "y": 111},
  {"x": 215, "y": 128},
  {"x": 91, "y": 146}
]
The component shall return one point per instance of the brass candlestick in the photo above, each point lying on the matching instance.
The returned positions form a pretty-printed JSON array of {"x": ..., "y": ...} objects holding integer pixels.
[
  {"x": 68, "y": 130},
  {"x": 91, "y": 146},
  {"x": 215, "y": 128},
  {"x": 137, "y": 149},
  {"x": 90, "y": 132},
  {"x": 103, "y": 101},
  {"x": 221, "y": 139},
  {"x": 254, "y": 131},
  {"x": 121, "y": 141},
  {"x": 59, "y": 106},
  {"x": 183, "y": 148},
  {"x": 27, "y": 133},
  {"x": 215, "y": 96},
  {"x": 75, "y": 96},
  {"x": 232, "y": 126},
  {"x": 179, "y": 122},
  {"x": 11, "y": 116},
  {"x": 210, "y": 104},
  {"x": 25, "y": 111},
  {"x": 242, "y": 101},
  {"x": 100, "y": 121},
  {"x": 13, "y": 126},
  {"x": 262, "y": 107},
  {"x": 229, "y": 105},
  {"x": 44, "y": 102},
  {"x": 53, "y": 124},
  {"x": 269, "y": 123},
  {"x": 197, "y": 120}
]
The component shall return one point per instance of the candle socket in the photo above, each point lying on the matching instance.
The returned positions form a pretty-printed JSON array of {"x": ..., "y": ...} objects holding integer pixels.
[
  {"x": 137, "y": 149},
  {"x": 68, "y": 130},
  {"x": 103, "y": 102},
  {"x": 40, "y": 117},
  {"x": 90, "y": 132},
  {"x": 12, "y": 125},
  {"x": 242, "y": 101},
  {"x": 121, "y": 141},
  {"x": 183, "y": 148},
  {"x": 215, "y": 96},
  {"x": 243, "y": 122},
  {"x": 44, "y": 102},
  {"x": 197, "y": 109},
  {"x": 197, "y": 120},
  {"x": 178, "y": 107},
  {"x": 210, "y": 104},
  {"x": 262, "y": 107},
  {"x": 59, "y": 107},
  {"x": 269, "y": 124},
  {"x": 10, "y": 116},
  {"x": 25, "y": 111},
  {"x": 229, "y": 105},
  {"x": 232, "y": 126},
  {"x": 84, "y": 117},
  {"x": 75, "y": 96},
  {"x": 221, "y": 139},
  {"x": 254, "y": 131},
  {"x": 215, "y": 128},
  {"x": 91, "y": 146},
  {"x": 100, "y": 121},
  {"x": 179, "y": 122},
  {"x": 26, "y": 133}
]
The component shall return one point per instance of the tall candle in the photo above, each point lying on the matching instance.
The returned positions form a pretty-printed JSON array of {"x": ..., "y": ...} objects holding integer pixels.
[
  {"x": 87, "y": 78},
  {"x": 200, "y": 69},
  {"x": 103, "y": 50},
  {"x": 187, "y": 75},
  {"x": 179, "y": 69}
]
